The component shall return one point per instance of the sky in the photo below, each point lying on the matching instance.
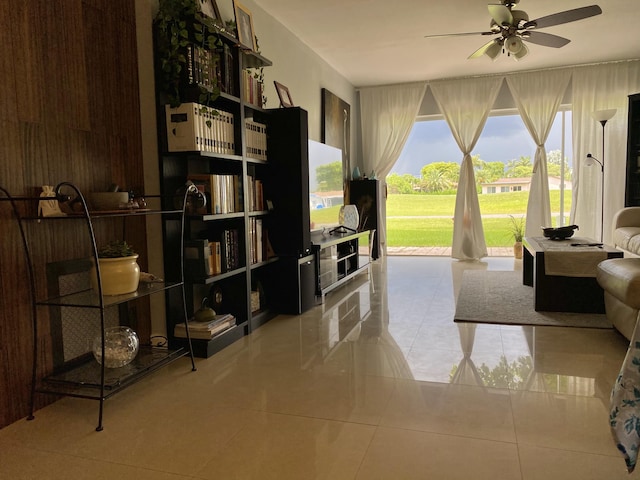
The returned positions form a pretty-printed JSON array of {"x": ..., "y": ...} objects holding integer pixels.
[{"x": 504, "y": 138}]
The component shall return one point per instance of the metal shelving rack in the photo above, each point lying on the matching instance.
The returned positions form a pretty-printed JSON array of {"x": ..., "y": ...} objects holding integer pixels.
[{"x": 83, "y": 377}]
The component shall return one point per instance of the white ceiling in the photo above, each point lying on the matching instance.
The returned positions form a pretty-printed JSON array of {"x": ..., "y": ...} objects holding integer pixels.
[{"x": 378, "y": 42}]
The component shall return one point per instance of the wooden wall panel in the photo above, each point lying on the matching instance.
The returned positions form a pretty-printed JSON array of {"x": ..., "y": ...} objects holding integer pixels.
[{"x": 69, "y": 111}]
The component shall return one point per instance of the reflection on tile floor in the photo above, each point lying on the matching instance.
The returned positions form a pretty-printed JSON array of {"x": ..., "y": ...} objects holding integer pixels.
[{"x": 376, "y": 383}]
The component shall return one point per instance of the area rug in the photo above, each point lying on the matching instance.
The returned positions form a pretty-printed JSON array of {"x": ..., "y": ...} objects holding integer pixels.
[{"x": 500, "y": 297}]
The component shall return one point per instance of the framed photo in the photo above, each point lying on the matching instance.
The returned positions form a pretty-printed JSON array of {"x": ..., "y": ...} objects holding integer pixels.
[
  {"x": 336, "y": 124},
  {"x": 244, "y": 24},
  {"x": 210, "y": 9},
  {"x": 283, "y": 95}
]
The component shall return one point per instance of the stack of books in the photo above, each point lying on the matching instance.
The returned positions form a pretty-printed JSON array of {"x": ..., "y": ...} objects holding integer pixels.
[{"x": 205, "y": 330}]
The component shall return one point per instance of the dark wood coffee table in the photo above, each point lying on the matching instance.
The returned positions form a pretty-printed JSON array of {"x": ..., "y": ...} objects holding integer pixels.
[{"x": 558, "y": 292}]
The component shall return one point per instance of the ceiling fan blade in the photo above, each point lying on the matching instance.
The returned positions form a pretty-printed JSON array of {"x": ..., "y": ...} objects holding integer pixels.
[
  {"x": 500, "y": 14},
  {"x": 564, "y": 17},
  {"x": 458, "y": 34},
  {"x": 489, "y": 48},
  {"x": 545, "y": 39}
]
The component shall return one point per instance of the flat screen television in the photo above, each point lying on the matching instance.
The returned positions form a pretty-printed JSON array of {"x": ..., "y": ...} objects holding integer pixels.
[{"x": 326, "y": 185}]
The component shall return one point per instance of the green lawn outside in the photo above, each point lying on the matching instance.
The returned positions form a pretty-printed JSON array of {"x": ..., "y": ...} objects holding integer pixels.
[{"x": 404, "y": 230}]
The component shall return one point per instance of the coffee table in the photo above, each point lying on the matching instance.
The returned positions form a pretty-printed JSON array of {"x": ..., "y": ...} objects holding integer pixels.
[{"x": 564, "y": 280}]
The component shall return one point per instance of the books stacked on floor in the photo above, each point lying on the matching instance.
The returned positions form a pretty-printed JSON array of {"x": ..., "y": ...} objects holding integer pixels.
[{"x": 205, "y": 330}]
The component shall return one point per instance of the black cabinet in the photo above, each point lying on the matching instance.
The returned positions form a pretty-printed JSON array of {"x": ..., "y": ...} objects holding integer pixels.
[
  {"x": 366, "y": 196},
  {"x": 296, "y": 284},
  {"x": 288, "y": 186}
]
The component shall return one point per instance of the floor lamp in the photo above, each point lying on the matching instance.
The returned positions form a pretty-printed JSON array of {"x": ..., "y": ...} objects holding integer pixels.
[{"x": 602, "y": 116}]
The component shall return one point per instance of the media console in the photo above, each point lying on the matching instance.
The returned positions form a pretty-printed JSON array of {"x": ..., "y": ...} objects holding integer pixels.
[{"x": 339, "y": 257}]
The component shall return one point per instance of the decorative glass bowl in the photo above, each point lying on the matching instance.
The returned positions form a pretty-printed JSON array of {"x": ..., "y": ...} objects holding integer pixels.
[{"x": 121, "y": 346}]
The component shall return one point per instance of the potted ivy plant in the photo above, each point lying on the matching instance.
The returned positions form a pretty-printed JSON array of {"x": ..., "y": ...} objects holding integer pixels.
[
  {"x": 119, "y": 270},
  {"x": 180, "y": 25},
  {"x": 516, "y": 227}
]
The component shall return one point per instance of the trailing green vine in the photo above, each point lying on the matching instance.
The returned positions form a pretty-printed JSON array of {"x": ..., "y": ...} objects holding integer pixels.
[{"x": 180, "y": 25}]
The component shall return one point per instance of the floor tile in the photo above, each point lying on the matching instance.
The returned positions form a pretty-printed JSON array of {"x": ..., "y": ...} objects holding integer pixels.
[
  {"x": 407, "y": 455},
  {"x": 378, "y": 382}
]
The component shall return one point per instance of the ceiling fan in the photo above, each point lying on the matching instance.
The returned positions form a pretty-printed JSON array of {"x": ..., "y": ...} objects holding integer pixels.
[{"x": 513, "y": 28}]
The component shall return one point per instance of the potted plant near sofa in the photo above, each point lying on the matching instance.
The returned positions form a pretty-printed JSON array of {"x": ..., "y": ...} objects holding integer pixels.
[
  {"x": 119, "y": 270},
  {"x": 516, "y": 228}
]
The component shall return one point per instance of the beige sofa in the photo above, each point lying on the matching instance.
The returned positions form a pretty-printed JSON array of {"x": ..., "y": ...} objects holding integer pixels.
[
  {"x": 626, "y": 231},
  {"x": 620, "y": 277},
  {"x": 620, "y": 280}
]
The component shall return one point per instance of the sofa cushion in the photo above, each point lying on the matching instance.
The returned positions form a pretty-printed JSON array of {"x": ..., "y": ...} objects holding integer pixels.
[
  {"x": 621, "y": 278},
  {"x": 627, "y": 238}
]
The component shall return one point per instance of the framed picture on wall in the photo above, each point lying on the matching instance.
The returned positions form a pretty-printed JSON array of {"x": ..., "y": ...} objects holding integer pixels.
[
  {"x": 283, "y": 95},
  {"x": 244, "y": 25},
  {"x": 336, "y": 124},
  {"x": 210, "y": 9}
]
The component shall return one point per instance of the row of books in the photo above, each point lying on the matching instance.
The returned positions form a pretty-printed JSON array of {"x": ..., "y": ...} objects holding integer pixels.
[
  {"x": 207, "y": 69},
  {"x": 253, "y": 88},
  {"x": 205, "y": 330},
  {"x": 260, "y": 247},
  {"x": 223, "y": 193},
  {"x": 256, "y": 134},
  {"x": 256, "y": 194},
  {"x": 203, "y": 257},
  {"x": 202, "y": 67},
  {"x": 194, "y": 127},
  {"x": 230, "y": 258},
  {"x": 226, "y": 70}
]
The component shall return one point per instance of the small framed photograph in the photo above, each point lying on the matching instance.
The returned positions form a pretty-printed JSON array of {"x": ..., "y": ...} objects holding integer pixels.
[
  {"x": 244, "y": 24},
  {"x": 210, "y": 9},
  {"x": 283, "y": 95}
]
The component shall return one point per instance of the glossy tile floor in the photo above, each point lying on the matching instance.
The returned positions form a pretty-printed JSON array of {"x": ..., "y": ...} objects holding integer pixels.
[{"x": 377, "y": 383}]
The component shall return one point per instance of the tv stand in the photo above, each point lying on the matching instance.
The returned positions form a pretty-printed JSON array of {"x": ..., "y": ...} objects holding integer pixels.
[{"x": 340, "y": 256}]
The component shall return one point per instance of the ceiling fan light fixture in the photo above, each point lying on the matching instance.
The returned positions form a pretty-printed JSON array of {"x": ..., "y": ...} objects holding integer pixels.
[
  {"x": 513, "y": 45},
  {"x": 494, "y": 50},
  {"x": 522, "y": 53}
]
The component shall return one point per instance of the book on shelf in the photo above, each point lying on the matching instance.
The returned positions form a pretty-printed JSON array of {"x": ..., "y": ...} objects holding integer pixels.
[
  {"x": 205, "y": 330},
  {"x": 197, "y": 259},
  {"x": 226, "y": 70},
  {"x": 215, "y": 258},
  {"x": 252, "y": 88},
  {"x": 230, "y": 249},
  {"x": 195, "y": 127},
  {"x": 256, "y": 136},
  {"x": 223, "y": 192},
  {"x": 209, "y": 324}
]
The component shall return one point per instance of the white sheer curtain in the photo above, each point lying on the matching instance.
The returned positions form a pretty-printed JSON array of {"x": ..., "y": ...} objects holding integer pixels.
[
  {"x": 600, "y": 87},
  {"x": 538, "y": 96},
  {"x": 465, "y": 104},
  {"x": 387, "y": 115}
]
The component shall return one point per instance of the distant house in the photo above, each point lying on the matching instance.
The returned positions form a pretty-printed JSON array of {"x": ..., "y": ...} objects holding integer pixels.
[
  {"x": 505, "y": 185},
  {"x": 326, "y": 199}
]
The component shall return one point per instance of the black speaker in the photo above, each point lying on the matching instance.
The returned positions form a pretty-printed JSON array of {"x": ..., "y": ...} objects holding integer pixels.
[{"x": 365, "y": 195}]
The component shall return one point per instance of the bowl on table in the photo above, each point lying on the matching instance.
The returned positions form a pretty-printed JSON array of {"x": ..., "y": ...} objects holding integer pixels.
[
  {"x": 101, "y": 201},
  {"x": 559, "y": 233}
]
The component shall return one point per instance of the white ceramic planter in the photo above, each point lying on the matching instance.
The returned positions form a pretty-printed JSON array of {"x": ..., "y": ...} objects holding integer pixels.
[{"x": 119, "y": 275}]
